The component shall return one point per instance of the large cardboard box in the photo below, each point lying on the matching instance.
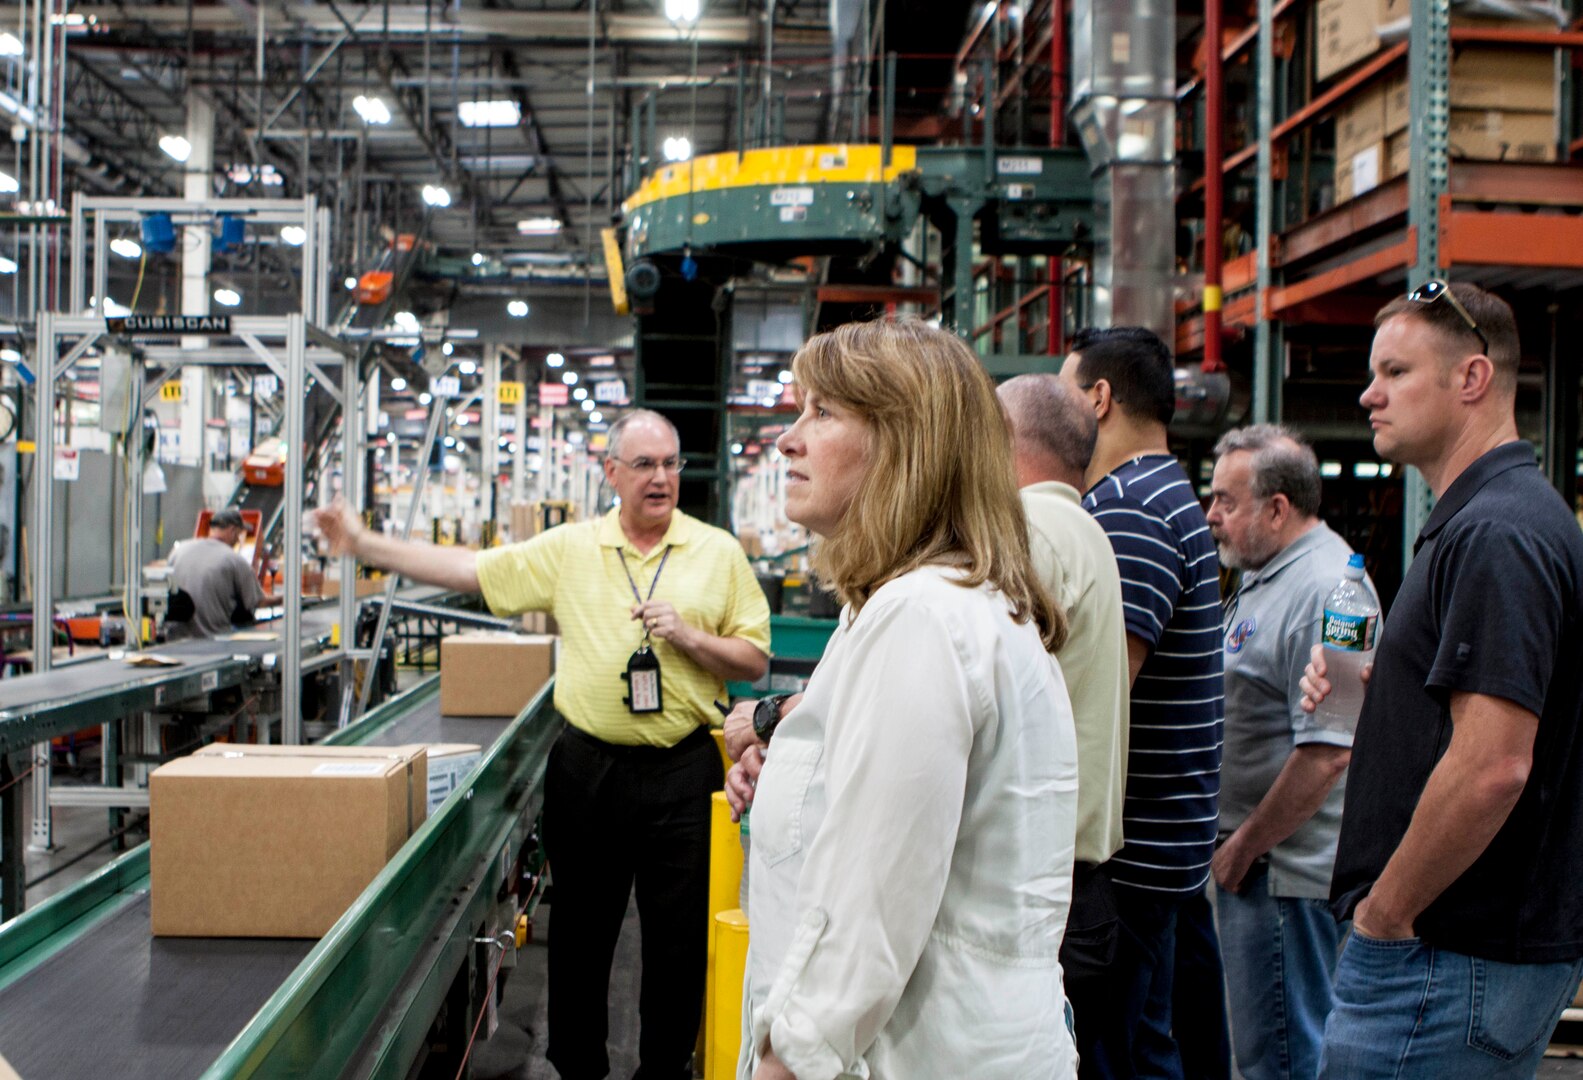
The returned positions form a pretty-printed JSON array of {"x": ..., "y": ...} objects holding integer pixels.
[
  {"x": 1345, "y": 34},
  {"x": 1519, "y": 80},
  {"x": 276, "y": 841},
  {"x": 1360, "y": 122},
  {"x": 1497, "y": 135},
  {"x": 1368, "y": 168},
  {"x": 493, "y": 673}
]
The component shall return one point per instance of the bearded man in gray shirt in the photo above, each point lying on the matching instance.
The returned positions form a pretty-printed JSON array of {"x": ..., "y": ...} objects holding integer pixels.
[{"x": 220, "y": 582}]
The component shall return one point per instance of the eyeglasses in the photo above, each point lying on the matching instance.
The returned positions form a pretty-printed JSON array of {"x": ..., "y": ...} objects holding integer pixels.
[
  {"x": 671, "y": 465},
  {"x": 1434, "y": 290}
]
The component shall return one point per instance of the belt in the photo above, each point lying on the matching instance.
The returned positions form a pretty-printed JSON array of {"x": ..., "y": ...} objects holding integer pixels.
[{"x": 698, "y": 737}]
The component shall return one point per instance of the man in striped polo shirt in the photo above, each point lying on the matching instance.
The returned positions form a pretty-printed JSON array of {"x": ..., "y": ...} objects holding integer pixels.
[{"x": 1171, "y": 604}]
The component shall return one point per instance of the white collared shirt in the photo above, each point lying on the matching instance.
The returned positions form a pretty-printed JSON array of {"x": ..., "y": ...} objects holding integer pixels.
[{"x": 912, "y": 847}]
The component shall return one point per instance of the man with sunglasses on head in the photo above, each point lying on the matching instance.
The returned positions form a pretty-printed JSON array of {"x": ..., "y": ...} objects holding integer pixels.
[
  {"x": 657, "y": 610},
  {"x": 1462, "y": 833}
]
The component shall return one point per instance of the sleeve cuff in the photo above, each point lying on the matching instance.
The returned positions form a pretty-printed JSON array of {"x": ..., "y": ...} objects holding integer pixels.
[
  {"x": 1318, "y": 736},
  {"x": 802, "y": 1049}
]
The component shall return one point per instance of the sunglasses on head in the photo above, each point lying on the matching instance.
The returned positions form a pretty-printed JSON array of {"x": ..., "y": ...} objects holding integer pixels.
[{"x": 1435, "y": 290}]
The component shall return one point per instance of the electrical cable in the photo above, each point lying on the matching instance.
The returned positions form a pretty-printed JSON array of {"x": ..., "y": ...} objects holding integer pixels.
[
  {"x": 142, "y": 264},
  {"x": 80, "y": 856}
]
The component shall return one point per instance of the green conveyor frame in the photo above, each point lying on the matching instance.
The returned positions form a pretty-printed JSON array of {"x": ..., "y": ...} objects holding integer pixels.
[{"x": 370, "y": 989}]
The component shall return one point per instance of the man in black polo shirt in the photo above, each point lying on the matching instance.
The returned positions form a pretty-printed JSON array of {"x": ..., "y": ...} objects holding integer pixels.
[{"x": 1462, "y": 837}]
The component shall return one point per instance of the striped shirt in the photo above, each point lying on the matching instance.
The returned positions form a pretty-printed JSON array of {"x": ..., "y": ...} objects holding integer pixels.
[{"x": 1170, "y": 591}]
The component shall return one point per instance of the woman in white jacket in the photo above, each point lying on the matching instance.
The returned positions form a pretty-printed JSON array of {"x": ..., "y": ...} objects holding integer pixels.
[{"x": 913, "y": 824}]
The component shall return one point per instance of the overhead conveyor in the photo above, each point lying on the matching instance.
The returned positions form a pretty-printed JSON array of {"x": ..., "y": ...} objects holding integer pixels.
[{"x": 400, "y": 978}]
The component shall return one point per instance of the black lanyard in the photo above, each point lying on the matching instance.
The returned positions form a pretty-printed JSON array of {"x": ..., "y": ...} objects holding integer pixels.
[{"x": 653, "y": 583}]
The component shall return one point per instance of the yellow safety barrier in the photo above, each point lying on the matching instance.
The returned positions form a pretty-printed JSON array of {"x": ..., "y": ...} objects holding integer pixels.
[
  {"x": 725, "y": 886},
  {"x": 720, "y": 744},
  {"x": 730, "y": 967}
]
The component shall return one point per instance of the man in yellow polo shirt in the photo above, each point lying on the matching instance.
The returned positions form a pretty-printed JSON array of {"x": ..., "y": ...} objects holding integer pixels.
[{"x": 656, "y": 610}]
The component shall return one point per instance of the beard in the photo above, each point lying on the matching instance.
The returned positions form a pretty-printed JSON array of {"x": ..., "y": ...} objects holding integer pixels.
[{"x": 1251, "y": 558}]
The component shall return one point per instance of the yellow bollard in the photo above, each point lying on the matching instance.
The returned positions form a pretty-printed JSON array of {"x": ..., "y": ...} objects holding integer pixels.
[
  {"x": 720, "y": 744},
  {"x": 725, "y": 885},
  {"x": 731, "y": 964}
]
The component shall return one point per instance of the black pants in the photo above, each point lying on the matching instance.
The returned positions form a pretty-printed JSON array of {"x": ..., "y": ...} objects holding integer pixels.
[
  {"x": 615, "y": 817},
  {"x": 1088, "y": 957}
]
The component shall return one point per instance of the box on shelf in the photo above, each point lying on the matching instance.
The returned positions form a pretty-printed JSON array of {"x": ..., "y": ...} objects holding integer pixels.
[
  {"x": 330, "y": 588},
  {"x": 1344, "y": 34},
  {"x": 1348, "y": 32},
  {"x": 1368, "y": 168},
  {"x": 276, "y": 841},
  {"x": 493, "y": 673},
  {"x": 449, "y": 764},
  {"x": 1499, "y": 135}
]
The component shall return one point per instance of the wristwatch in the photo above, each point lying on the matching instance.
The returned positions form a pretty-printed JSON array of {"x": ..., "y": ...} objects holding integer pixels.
[{"x": 767, "y": 714}]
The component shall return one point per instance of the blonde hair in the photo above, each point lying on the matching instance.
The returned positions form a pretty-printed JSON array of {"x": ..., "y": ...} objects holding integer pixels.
[{"x": 940, "y": 487}]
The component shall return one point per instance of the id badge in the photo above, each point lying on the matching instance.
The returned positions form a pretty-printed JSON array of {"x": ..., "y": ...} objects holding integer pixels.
[{"x": 643, "y": 682}]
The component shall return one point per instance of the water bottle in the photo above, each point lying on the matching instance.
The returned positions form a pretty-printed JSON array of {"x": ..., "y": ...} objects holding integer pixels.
[{"x": 1352, "y": 616}]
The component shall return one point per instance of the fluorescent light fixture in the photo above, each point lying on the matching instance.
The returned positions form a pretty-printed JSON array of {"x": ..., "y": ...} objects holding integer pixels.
[
  {"x": 227, "y": 297},
  {"x": 539, "y": 226},
  {"x": 1366, "y": 470},
  {"x": 351, "y": 283},
  {"x": 501, "y": 112},
  {"x": 785, "y": 377},
  {"x": 406, "y": 320},
  {"x": 10, "y": 44},
  {"x": 448, "y": 349},
  {"x": 126, "y": 248},
  {"x": 681, "y": 11},
  {"x": 398, "y": 383},
  {"x": 7, "y": 266},
  {"x": 8, "y": 184},
  {"x": 436, "y": 196},
  {"x": 579, "y": 394},
  {"x": 517, "y": 309},
  {"x": 555, "y": 359},
  {"x": 295, "y": 235},
  {"x": 677, "y": 148},
  {"x": 1329, "y": 468},
  {"x": 588, "y": 406},
  {"x": 467, "y": 367},
  {"x": 176, "y": 146},
  {"x": 371, "y": 109},
  {"x": 478, "y": 258},
  {"x": 10, "y": 356},
  {"x": 570, "y": 378}
]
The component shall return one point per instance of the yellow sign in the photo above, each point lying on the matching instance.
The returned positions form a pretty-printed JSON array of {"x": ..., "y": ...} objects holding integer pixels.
[
  {"x": 171, "y": 391},
  {"x": 510, "y": 393}
]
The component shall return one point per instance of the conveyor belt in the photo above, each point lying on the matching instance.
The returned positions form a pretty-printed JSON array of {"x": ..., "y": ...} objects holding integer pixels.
[
  {"x": 449, "y": 614},
  {"x": 114, "y": 1000},
  {"x": 121, "y": 1003}
]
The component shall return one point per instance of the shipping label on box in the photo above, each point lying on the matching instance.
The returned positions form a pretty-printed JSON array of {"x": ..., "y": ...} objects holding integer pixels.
[
  {"x": 276, "y": 841},
  {"x": 493, "y": 673},
  {"x": 449, "y": 765},
  {"x": 1360, "y": 122}
]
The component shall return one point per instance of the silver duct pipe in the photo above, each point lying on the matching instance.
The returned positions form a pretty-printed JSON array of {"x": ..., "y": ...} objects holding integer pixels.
[{"x": 1123, "y": 105}]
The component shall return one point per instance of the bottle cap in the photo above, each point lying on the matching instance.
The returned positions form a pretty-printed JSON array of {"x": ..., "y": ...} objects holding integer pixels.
[
  {"x": 1356, "y": 561},
  {"x": 1354, "y": 570}
]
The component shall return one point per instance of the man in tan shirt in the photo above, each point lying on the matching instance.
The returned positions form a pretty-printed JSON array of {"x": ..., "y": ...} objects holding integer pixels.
[{"x": 1054, "y": 433}]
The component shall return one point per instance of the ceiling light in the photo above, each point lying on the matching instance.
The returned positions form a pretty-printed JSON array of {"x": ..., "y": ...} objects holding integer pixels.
[
  {"x": 351, "y": 283},
  {"x": 448, "y": 349},
  {"x": 517, "y": 309},
  {"x": 8, "y": 184},
  {"x": 425, "y": 397},
  {"x": 681, "y": 11},
  {"x": 498, "y": 113},
  {"x": 227, "y": 297},
  {"x": 371, "y": 109},
  {"x": 10, "y": 44},
  {"x": 398, "y": 383},
  {"x": 555, "y": 359},
  {"x": 127, "y": 249},
  {"x": 579, "y": 394},
  {"x": 570, "y": 378},
  {"x": 467, "y": 367},
  {"x": 449, "y": 441},
  {"x": 588, "y": 406},
  {"x": 678, "y": 148},
  {"x": 10, "y": 356},
  {"x": 7, "y": 266},
  {"x": 436, "y": 196},
  {"x": 539, "y": 226},
  {"x": 462, "y": 421},
  {"x": 295, "y": 235},
  {"x": 478, "y": 258},
  {"x": 736, "y": 448},
  {"x": 406, "y": 320},
  {"x": 113, "y": 309},
  {"x": 785, "y": 377},
  {"x": 596, "y": 417},
  {"x": 176, "y": 146}
]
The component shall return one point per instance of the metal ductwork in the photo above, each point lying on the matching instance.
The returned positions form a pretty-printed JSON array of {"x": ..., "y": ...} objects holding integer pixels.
[{"x": 1123, "y": 105}]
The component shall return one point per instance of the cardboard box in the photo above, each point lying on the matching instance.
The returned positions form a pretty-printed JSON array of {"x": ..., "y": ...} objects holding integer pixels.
[
  {"x": 1497, "y": 135},
  {"x": 449, "y": 764},
  {"x": 1383, "y": 160},
  {"x": 540, "y": 622},
  {"x": 492, "y": 673},
  {"x": 1360, "y": 122},
  {"x": 1345, "y": 34},
  {"x": 276, "y": 841},
  {"x": 1517, "y": 80},
  {"x": 330, "y": 588}
]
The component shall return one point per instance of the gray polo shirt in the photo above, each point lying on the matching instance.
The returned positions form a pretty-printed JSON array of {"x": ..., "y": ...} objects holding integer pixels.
[
  {"x": 1271, "y": 624},
  {"x": 219, "y": 581}
]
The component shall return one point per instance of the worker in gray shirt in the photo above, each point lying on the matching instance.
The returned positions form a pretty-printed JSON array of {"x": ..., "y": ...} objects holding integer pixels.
[
  {"x": 1281, "y": 774},
  {"x": 224, "y": 591}
]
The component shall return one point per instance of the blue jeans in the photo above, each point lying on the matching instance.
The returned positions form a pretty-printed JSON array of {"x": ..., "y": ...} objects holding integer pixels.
[
  {"x": 1280, "y": 964},
  {"x": 1406, "y": 1010}
]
